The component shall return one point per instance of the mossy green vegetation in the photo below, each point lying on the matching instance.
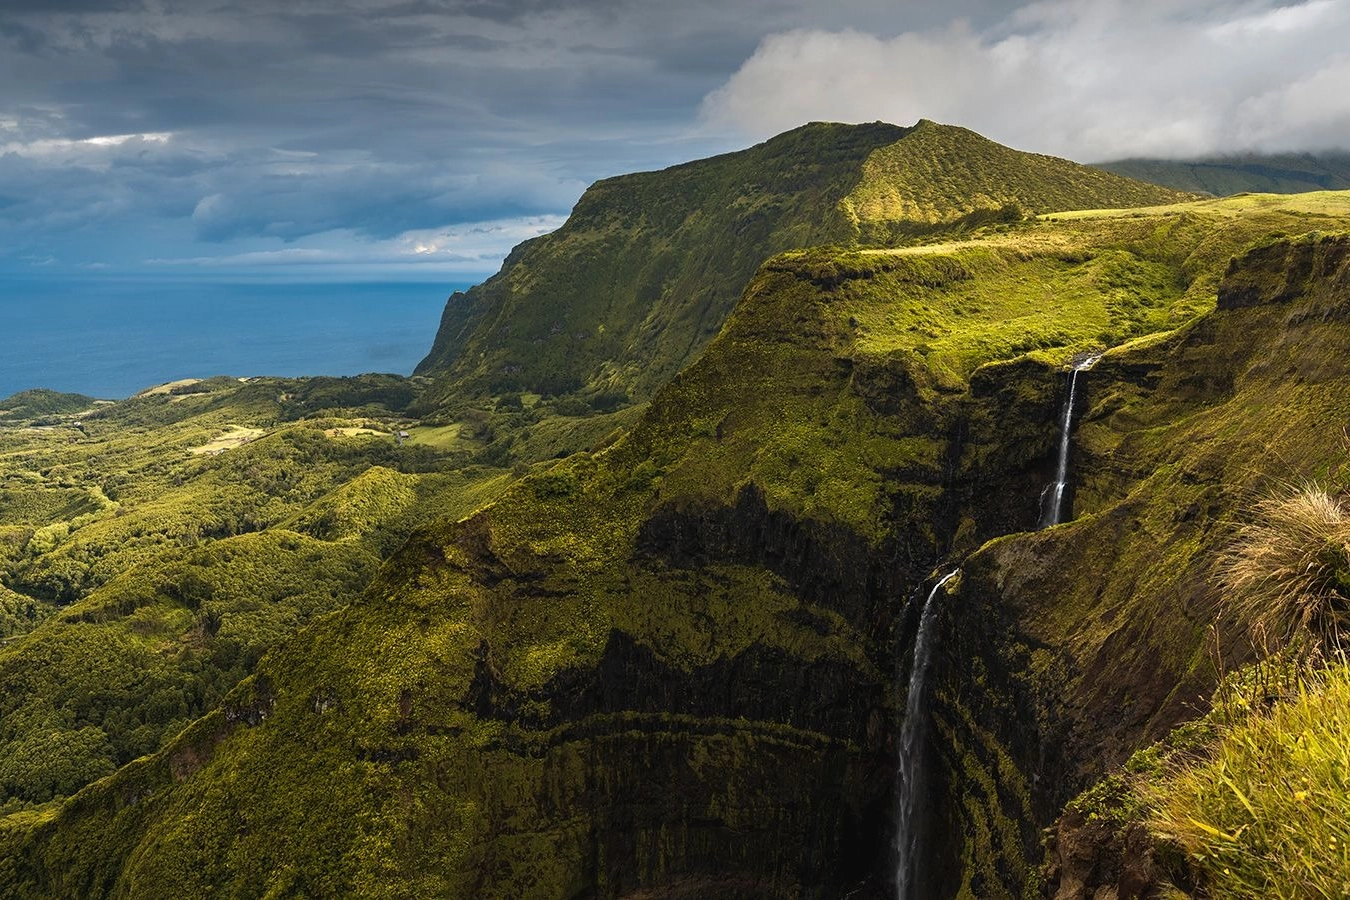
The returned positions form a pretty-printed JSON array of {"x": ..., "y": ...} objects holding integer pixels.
[
  {"x": 588, "y": 612},
  {"x": 1180, "y": 437},
  {"x": 646, "y": 269},
  {"x": 154, "y": 551},
  {"x": 19, "y": 614},
  {"x": 1266, "y": 811},
  {"x": 940, "y": 175},
  {"x": 108, "y": 678},
  {"x": 42, "y": 404},
  {"x": 1249, "y": 800},
  {"x": 666, "y": 664}
]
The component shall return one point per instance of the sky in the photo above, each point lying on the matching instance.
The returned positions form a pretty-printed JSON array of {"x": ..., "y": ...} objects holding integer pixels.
[{"x": 421, "y": 139}]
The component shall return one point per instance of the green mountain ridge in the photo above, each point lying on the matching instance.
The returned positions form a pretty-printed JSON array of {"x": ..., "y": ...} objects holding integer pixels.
[
  {"x": 648, "y": 267},
  {"x": 1287, "y": 173}
]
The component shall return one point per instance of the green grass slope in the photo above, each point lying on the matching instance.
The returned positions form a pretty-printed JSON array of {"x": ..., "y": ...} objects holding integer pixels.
[
  {"x": 941, "y": 174},
  {"x": 1256, "y": 173},
  {"x": 648, "y": 266},
  {"x": 153, "y": 551},
  {"x": 669, "y": 666}
]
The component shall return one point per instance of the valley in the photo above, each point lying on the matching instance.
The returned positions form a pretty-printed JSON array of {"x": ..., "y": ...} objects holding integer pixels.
[{"x": 633, "y": 609}]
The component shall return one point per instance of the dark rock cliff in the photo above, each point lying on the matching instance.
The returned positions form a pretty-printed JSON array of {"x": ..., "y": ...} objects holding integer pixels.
[{"x": 1067, "y": 650}]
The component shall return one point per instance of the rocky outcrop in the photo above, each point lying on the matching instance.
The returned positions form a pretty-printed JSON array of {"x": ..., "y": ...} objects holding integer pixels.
[
  {"x": 1286, "y": 270},
  {"x": 1097, "y": 858}
]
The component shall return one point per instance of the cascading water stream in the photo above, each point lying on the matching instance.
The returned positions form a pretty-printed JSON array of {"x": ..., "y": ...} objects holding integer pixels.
[
  {"x": 913, "y": 733},
  {"x": 1052, "y": 512}
]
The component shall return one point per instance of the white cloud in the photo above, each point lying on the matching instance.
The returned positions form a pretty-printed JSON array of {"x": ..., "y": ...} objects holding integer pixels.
[
  {"x": 474, "y": 248},
  {"x": 1088, "y": 79},
  {"x": 83, "y": 150}
]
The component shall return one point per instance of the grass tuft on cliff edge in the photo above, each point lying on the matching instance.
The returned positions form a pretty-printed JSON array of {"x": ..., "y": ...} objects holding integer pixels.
[
  {"x": 1287, "y": 574},
  {"x": 1267, "y": 814}
]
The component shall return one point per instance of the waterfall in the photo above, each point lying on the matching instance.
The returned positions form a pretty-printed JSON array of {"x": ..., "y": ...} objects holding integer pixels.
[
  {"x": 913, "y": 734},
  {"x": 1052, "y": 512}
]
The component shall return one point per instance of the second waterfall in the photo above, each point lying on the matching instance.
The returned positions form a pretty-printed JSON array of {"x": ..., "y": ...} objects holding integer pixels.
[
  {"x": 1052, "y": 498},
  {"x": 913, "y": 736}
]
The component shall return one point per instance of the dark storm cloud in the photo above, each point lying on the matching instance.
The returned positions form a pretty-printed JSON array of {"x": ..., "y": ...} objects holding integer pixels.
[
  {"x": 51, "y": 6},
  {"x": 385, "y": 200},
  {"x": 263, "y": 123},
  {"x": 286, "y": 120}
]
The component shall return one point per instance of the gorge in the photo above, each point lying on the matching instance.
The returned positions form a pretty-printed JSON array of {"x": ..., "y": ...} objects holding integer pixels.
[{"x": 621, "y": 617}]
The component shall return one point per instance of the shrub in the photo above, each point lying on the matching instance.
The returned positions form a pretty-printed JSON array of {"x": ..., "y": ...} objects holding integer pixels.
[
  {"x": 510, "y": 403},
  {"x": 1286, "y": 576}
]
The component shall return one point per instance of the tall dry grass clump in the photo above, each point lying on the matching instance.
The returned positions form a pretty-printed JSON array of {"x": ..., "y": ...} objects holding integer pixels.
[
  {"x": 1286, "y": 575},
  {"x": 1265, "y": 811}
]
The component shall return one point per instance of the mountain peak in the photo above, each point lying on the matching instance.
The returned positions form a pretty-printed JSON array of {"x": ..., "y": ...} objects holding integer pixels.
[{"x": 940, "y": 174}]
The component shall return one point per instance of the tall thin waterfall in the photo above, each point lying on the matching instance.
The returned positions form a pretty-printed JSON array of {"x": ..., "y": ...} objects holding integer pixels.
[
  {"x": 1052, "y": 498},
  {"x": 913, "y": 734}
]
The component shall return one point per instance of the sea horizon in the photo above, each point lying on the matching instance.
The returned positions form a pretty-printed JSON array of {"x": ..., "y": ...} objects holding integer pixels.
[{"x": 112, "y": 337}]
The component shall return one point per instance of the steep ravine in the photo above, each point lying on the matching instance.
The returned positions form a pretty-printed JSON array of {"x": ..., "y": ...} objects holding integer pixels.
[
  {"x": 641, "y": 672},
  {"x": 666, "y": 668},
  {"x": 1068, "y": 649}
]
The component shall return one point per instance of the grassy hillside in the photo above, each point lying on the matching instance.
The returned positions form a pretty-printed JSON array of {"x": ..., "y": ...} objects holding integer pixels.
[
  {"x": 1242, "y": 804},
  {"x": 1102, "y": 631},
  {"x": 648, "y": 266},
  {"x": 669, "y": 666},
  {"x": 1222, "y": 176},
  {"x": 36, "y": 404},
  {"x": 153, "y": 550}
]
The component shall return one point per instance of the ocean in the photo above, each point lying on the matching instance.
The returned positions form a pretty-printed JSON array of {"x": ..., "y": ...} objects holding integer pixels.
[{"x": 110, "y": 338}]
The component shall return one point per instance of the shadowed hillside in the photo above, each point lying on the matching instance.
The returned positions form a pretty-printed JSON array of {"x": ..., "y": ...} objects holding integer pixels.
[{"x": 1222, "y": 176}]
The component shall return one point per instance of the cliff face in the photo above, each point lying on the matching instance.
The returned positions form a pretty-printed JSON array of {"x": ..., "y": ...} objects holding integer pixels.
[
  {"x": 1094, "y": 639},
  {"x": 669, "y": 667},
  {"x": 644, "y": 671},
  {"x": 648, "y": 267}
]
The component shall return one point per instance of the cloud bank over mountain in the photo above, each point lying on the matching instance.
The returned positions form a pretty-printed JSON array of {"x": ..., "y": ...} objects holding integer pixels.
[{"x": 1088, "y": 80}]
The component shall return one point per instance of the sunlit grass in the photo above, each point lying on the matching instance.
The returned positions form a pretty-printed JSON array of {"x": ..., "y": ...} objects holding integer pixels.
[
  {"x": 1331, "y": 203},
  {"x": 1269, "y": 815},
  {"x": 442, "y": 437}
]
